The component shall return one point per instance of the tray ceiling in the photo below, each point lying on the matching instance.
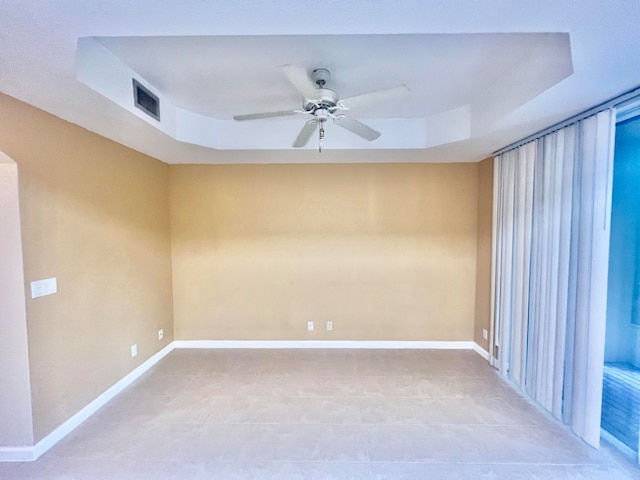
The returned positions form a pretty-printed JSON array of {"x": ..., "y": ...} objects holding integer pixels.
[{"x": 481, "y": 73}]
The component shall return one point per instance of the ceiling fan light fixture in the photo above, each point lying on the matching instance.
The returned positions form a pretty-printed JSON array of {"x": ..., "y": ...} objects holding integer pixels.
[{"x": 322, "y": 114}]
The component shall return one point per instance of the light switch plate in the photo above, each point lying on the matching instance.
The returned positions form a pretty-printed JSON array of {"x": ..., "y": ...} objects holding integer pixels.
[
  {"x": 485, "y": 334},
  {"x": 329, "y": 326},
  {"x": 160, "y": 334},
  {"x": 134, "y": 350},
  {"x": 310, "y": 326},
  {"x": 40, "y": 288}
]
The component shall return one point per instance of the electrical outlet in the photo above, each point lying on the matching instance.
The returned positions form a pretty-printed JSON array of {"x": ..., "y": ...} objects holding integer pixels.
[
  {"x": 485, "y": 334},
  {"x": 329, "y": 326},
  {"x": 160, "y": 334},
  {"x": 310, "y": 326},
  {"x": 134, "y": 350}
]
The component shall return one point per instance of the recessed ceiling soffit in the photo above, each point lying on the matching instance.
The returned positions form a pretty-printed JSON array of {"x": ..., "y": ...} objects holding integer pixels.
[{"x": 461, "y": 85}]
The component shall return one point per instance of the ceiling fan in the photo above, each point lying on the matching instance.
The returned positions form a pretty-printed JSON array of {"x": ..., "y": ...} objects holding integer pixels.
[{"x": 322, "y": 104}]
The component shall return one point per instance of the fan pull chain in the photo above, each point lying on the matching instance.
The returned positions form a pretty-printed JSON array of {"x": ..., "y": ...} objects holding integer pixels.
[{"x": 320, "y": 139}]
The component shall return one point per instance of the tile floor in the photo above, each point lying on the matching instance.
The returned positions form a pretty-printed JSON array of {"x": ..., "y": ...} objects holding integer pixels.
[{"x": 322, "y": 414}]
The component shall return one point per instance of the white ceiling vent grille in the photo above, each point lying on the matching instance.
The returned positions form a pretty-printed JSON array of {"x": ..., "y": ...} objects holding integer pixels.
[{"x": 145, "y": 100}]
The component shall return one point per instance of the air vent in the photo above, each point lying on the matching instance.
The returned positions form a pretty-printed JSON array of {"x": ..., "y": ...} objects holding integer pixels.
[{"x": 145, "y": 100}]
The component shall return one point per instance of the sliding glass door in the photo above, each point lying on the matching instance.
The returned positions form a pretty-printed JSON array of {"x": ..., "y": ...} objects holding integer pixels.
[{"x": 621, "y": 386}]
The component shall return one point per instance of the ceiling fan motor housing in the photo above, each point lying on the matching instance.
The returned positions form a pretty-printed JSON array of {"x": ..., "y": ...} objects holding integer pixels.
[{"x": 326, "y": 99}]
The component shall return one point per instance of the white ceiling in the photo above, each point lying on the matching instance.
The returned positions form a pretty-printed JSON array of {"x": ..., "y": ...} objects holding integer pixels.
[
  {"x": 482, "y": 73},
  {"x": 221, "y": 76},
  {"x": 460, "y": 84}
]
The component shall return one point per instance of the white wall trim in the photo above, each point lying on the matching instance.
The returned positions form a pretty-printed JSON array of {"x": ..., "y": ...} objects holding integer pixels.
[
  {"x": 26, "y": 454},
  {"x": 481, "y": 351},
  {"x": 628, "y": 452},
  {"x": 372, "y": 344},
  {"x": 16, "y": 454},
  {"x": 31, "y": 453}
]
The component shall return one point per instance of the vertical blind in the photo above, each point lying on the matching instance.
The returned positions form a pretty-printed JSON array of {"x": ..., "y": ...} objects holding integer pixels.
[{"x": 551, "y": 232}]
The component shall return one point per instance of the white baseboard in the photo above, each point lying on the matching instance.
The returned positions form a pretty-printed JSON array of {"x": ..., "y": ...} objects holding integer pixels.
[
  {"x": 26, "y": 454},
  {"x": 371, "y": 344},
  {"x": 30, "y": 453},
  {"x": 481, "y": 351},
  {"x": 626, "y": 451},
  {"x": 334, "y": 344},
  {"x": 16, "y": 454}
]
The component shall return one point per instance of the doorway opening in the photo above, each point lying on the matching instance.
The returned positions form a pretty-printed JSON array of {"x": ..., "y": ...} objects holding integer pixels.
[{"x": 15, "y": 394}]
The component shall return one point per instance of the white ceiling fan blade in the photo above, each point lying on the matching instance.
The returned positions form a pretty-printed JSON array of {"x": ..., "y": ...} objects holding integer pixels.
[
  {"x": 258, "y": 116},
  {"x": 373, "y": 98},
  {"x": 359, "y": 128},
  {"x": 305, "y": 133},
  {"x": 300, "y": 79}
]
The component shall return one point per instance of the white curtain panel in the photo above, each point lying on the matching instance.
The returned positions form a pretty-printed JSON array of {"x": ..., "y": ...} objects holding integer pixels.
[{"x": 551, "y": 249}]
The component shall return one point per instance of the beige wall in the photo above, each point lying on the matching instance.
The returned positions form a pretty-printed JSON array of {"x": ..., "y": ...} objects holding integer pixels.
[
  {"x": 16, "y": 427},
  {"x": 93, "y": 215},
  {"x": 385, "y": 251},
  {"x": 483, "y": 270}
]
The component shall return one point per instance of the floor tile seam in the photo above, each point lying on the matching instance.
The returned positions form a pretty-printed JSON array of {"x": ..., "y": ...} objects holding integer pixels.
[
  {"x": 222, "y": 460},
  {"x": 227, "y": 445},
  {"x": 289, "y": 460},
  {"x": 371, "y": 396},
  {"x": 160, "y": 421},
  {"x": 514, "y": 464},
  {"x": 448, "y": 397},
  {"x": 315, "y": 377},
  {"x": 289, "y": 424},
  {"x": 268, "y": 396},
  {"x": 144, "y": 395},
  {"x": 343, "y": 397},
  {"x": 366, "y": 441},
  {"x": 313, "y": 374},
  {"x": 384, "y": 423},
  {"x": 371, "y": 474},
  {"x": 337, "y": 397},
  {"x": 489, "y": 464},
  {"x": 275, "y": 461},
  {"x": 344, "y": 424},
  {"x": 170, "y": 460}
]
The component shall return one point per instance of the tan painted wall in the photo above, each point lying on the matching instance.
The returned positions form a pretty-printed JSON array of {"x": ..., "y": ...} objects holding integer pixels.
[
  {"x": 483, "y": 269},
  {"x": 93, "y": 215},
  {"x": 385, "y": 251},
  {"x": 16, "y": 428}
]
